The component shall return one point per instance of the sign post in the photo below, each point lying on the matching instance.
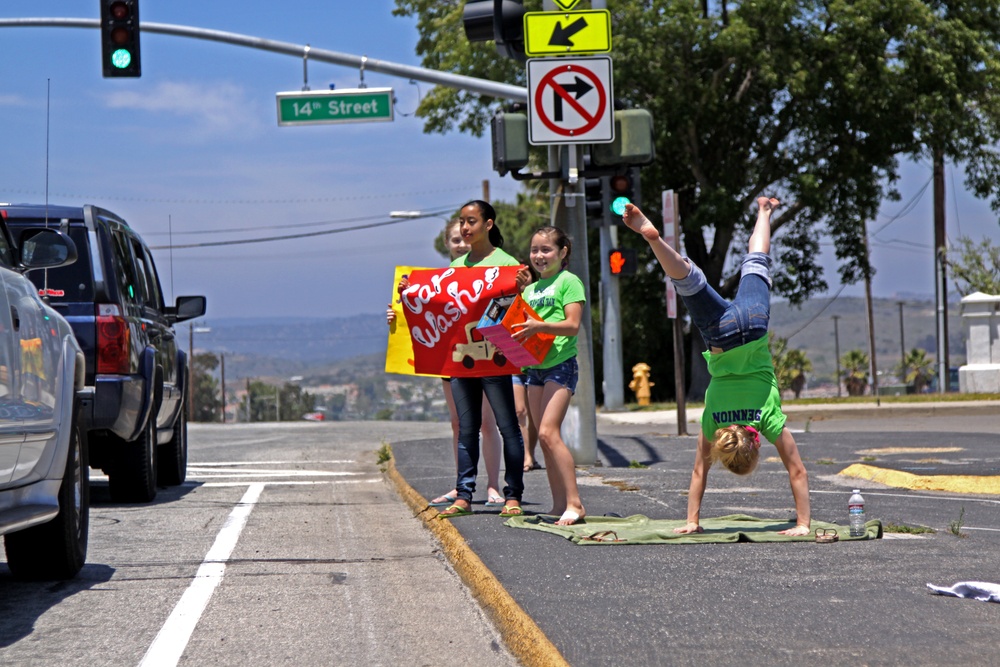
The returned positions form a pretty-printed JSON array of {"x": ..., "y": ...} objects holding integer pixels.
[{"x": 321, "y": 107}]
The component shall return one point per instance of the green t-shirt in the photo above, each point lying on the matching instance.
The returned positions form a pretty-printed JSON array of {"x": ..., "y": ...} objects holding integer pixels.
[
  {"x": 743, "y": 390},
  {"x": 496, "y": 258},
  {"x": 548, "y": 297}
]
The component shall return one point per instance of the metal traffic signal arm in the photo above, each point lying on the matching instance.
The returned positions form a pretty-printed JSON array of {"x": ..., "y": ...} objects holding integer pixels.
[{"x": 485, "y": 87}]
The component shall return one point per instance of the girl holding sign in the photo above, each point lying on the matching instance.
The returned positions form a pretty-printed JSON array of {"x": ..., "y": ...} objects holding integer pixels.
[
  {"x": 742, "y": 402},
  {"x": 558, "y": 298},
  {"x": 457, "y": 247},
  {"x": 479, "y": 229}
]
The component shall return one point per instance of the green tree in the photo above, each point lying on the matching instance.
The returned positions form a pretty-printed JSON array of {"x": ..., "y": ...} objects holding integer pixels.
[
  {"x": 206, "y": 398},
  {"x": 976, "y": 266},
  {"x": 917, "y": 369},
  {"x": 855, "y": 366},
  {"x": 812, "y": 102},
  {"x": 790, "y": 366}
]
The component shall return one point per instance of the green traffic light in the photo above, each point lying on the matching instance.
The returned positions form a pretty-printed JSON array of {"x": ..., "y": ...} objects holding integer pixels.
[
  {"x": 121, "y": 58},
  {"x": 618, "y": 205}
]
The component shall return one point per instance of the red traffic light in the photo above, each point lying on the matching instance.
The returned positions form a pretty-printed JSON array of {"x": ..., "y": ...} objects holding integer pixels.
[
  {"x": 119, "y": 11},
  {"x": 620, "y": 184}
]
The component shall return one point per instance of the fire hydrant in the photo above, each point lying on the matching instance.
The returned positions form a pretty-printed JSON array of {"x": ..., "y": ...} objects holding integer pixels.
[{"x": 640, "y": 383}]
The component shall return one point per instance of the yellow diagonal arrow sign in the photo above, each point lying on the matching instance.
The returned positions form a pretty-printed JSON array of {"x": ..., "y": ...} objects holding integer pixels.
[{"x": 559, "y": 33}]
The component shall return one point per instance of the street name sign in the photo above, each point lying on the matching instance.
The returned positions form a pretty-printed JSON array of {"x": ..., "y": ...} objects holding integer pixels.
[
  {"x": 319, "y": 107},
  {"x": 573, "y": 33},
  {"x": 570, "y": 101}
]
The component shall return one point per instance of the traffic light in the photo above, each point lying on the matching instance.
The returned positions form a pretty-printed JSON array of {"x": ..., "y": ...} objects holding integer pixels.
[
  {"x": 510, "y": 141},
  {"x": 120, "y": 38},
  {"x": 633, "y": 144},
  {"x": 595, "y": 196},
  {"x": 623, "y": 261},
  {"x": 499, "y": 20},
  {"x": 624, "y": 190}
]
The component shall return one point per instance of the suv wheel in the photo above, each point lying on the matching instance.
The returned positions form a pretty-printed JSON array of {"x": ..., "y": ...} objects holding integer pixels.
[
  {"x": 173, "y": 455},
  {"x": 132, "y": 478},
  {"x": 57, "y": 549}
]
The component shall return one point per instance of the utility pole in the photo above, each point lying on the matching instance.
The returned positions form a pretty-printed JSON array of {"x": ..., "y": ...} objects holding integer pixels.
[
  {"x": 902, "y": 343},
  {"x": 940, "y": 271},
  {"x": 222, "y": 359},
  {"x": 836, "y": 351},
  {"x": 868, "y": 313}
]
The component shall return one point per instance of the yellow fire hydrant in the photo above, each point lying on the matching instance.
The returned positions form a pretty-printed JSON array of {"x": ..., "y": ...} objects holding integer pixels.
[{"x": 640, "y": 383}]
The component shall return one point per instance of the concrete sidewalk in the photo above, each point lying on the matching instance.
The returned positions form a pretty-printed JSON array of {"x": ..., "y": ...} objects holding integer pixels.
[{"x": 748, "y": 604}]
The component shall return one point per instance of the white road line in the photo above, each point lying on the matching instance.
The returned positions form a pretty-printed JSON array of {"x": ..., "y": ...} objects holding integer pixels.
[
  {"x": 294, "y": 483},
  {"x": 173, "y": 637},
  {"x": 222, "y": 472},
  {"x": 192, "y": 464}
]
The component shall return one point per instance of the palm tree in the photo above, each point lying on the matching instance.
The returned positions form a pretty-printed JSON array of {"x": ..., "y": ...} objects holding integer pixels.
[
  {"x": 790, "y": 366},
  {"x": 917, "y": 369},
  {"x": 855, "y": 366}
]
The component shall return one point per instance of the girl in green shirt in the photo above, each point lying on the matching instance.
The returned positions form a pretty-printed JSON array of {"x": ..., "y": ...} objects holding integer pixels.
[{"x": 742, "y": 401}]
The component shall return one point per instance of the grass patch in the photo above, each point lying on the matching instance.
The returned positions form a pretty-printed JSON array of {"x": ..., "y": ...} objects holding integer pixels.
[
  {"x": 956, "y": 526},
  {"x": 384, "y": 453},
  {"x": 869, "y": 459},
  {"x": 825, "y": 462},
  {"x": 636, "y": 464},
  {"x": 903, "y": 528}
]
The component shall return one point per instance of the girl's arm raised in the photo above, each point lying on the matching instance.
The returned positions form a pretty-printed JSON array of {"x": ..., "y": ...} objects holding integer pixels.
[
  {"x": 799, "y": 480},
  {"x": 699, "y": 479}
]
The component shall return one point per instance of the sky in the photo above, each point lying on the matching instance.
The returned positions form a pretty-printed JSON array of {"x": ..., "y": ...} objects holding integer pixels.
[{"x": 191, "y": 153}]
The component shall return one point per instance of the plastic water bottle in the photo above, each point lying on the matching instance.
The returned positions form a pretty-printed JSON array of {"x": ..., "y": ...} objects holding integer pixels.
[{"x": 856, "y": 509}]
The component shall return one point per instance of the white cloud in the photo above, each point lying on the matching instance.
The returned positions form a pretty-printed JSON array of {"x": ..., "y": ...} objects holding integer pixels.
[
  {"x": 214, "y": 108},
  {"x": 13, "y": 101}
]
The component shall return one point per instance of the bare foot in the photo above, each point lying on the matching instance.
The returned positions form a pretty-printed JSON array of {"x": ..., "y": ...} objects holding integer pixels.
[
  {"x": 767, "y": 203},
  {"x": 569, "y": 517},
  {"x": 636, "y": 221}
]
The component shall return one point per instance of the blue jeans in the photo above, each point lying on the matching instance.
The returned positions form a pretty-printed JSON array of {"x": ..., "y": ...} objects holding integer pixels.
[
  {"x": 468, "y": 396},
  {"x": 724, "y": 324}
]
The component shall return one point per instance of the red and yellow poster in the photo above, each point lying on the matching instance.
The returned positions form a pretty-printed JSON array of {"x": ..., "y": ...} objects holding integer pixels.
[{"x": 442, "y": 308}]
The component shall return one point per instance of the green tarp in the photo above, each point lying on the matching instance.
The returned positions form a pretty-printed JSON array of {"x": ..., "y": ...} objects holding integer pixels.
[{"x": 639, "y": 529}]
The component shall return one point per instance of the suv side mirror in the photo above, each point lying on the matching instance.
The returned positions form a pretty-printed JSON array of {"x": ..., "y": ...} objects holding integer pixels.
[
  {"x": 187, "y": 308},
  {"x": 47, "y": 249}
]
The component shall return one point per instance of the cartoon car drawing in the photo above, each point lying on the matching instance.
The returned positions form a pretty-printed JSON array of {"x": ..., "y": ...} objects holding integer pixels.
[{"x": 476, "y": 349}]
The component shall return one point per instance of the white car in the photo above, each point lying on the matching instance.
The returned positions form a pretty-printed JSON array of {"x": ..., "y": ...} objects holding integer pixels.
[{"x": 44, "y": 492}]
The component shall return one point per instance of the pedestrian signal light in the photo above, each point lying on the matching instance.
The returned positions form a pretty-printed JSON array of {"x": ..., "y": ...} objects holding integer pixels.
[
  {"x": 120, "y": 38},
  {"x": 622, "y": 261}
]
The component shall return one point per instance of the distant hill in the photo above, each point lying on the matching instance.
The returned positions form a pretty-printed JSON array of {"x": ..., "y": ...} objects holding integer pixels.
[{"x": 324, "y": 349}]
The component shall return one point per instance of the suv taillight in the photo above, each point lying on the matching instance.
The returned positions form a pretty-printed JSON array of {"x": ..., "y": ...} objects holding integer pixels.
[{"x": 112, "y": 340}]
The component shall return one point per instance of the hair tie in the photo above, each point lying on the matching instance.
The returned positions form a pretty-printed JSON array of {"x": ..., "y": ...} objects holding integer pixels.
[{"x": 756, "y": 435}]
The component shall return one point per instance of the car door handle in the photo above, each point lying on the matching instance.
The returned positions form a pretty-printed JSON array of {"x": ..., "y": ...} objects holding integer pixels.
[{"x": 15, "y": 319}]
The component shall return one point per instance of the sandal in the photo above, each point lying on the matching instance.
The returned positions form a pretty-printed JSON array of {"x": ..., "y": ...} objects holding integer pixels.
[
  {"x": 453, "y": 511},
  {"x": 495, "y": 501},
  {"x": 442, "y": 501},
  {"x": 512, "y": 510}
]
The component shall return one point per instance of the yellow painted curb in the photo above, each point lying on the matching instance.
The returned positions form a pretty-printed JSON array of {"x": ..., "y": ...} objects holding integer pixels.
[
  {"x": 906, "y": 480},
  {"x": 519, "y": 631}
]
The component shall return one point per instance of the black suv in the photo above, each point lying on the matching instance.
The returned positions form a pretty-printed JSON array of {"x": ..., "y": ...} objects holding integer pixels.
[{"x": 135, "y": 409}]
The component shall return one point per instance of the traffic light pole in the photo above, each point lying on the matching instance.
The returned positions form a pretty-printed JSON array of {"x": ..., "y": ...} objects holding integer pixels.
[
  {"x": 569, "y": 213},
  {"x": 614, "y": 382}
]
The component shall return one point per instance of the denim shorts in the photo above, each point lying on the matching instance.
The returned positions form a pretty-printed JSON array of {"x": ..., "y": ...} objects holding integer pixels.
[
  {"x": 724, "y": 324},
  {"x": 521, "y": 379},
  {"x": 564, "y": 374}
]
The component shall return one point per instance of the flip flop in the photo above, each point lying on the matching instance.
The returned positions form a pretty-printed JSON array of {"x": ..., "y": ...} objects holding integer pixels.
[
  {"x": 494, "y": 501},
  {"x": 534, "y": 466},
  {"x": 453, "y": 511},
  {"x": 513, "y": 510},
  {"x": 442, "y": 501}
]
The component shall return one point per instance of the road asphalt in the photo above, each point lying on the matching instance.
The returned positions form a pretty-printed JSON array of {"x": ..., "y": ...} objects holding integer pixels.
[{"x": 850, "y": 602}]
